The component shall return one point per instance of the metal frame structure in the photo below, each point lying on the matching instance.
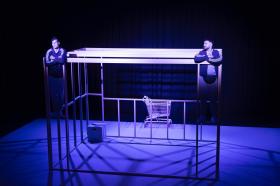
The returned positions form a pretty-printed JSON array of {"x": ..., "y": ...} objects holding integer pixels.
[{"x": 80, "y": 58}]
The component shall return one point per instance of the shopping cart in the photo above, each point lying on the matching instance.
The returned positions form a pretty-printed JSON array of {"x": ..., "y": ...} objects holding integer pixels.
[{"x": 158, "y": 110}]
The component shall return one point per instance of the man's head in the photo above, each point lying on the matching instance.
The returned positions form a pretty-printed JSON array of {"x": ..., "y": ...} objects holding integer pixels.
[
  {"x": 208, "y": 44},
  {"x": 55, "y": 43}
]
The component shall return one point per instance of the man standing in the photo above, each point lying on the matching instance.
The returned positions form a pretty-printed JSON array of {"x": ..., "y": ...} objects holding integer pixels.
[
  {"x": 208, "y": 81},
  {"x": 55, "y": 58}
]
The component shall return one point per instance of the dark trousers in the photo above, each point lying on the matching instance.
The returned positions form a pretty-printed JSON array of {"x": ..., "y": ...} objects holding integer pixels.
[
  {"x": 56, "y": 94},
  {"x": 208, "y": 95}
]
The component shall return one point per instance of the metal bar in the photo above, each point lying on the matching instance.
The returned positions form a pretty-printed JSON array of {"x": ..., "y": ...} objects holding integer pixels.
[
  {"x": 184, "y": 113},
  {"x": 175, "y": 139},
  {"x": 81, "y": 103},
  {"x": 218, "y": 123},
  {"x": 48, "y": 110},
  {"x": 151, "y": 123},
  {"x": 66, "y": 117},
  {"x": 200, "y": 104},
  {"x": 200, "y": 132},
  {"x": 94, "y": 94},
  {"x": 102, "y": 90},
  {"x": 119, "y": 118},
  {"x": 184, "y": 121},
  {"x": 196, "y": 128},
  {"x": 131, "y": 99},
  {"x": 86, "y": 92},
  {"x": 74, "y": 103},
  {"x": 167, "y": 126},
  {"x": 196, "y": 150},
  {"x": 136, "y": 53},
  {"x": 148, "y": 61},
  {"x": 134, "y": 116},
  {"x": 137, "y": 174},
  {"x": 59, "y": 137},
  {"x": 74, "y": 100}
]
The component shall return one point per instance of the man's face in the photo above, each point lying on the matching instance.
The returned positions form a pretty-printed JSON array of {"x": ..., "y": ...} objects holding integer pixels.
[
  {"x": 207, "y": 44},
  {"x": 55, "y": 44}
]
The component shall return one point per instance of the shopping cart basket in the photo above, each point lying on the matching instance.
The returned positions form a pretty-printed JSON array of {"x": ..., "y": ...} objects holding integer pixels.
[{"x": 158, "y": 110}]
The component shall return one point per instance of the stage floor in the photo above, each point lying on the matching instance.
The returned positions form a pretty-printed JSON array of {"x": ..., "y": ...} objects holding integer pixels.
[{"x": 249, "y": 156}]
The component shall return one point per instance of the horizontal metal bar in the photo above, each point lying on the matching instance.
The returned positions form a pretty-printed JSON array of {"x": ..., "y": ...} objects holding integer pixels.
[
  {"x": 135, "y": 52},
  {"x": 94, "y": 94},
  {"x": 75, "y": 99},
  {"x": 152, "y": 61},
  {"x": 138, "y": 99},
  {"x": 213, "y": 141},
  {"x": 135, "y": 174},
  {"x": 122, "y": 99},
  {"x": 130, "y": 99}
]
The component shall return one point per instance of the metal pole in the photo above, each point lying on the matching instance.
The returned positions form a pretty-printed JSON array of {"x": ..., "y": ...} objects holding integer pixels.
[
  {"x": 66, "y": 118},
  {"x": 196, "y": 129},
  {"x": 74, "y": 102},
  {"x": 59, "y": 137},
  {"x": 81, "y": 103},
  {"x": 102, "y": 90},
  {"x": 48, "y": 110},
  {"x": 119, "y": 118},
  {"x": 200, "y": 132},
  {"x": 218, "y": 123},
  {"x": 184, "y": 120},
  {"x": 134, "y": 116},
  {"x": 200, "y": 104},
  {"x": 86, "y": 92},
  {"x": 151, "y": 123},
  {"x": 167, "y": 126}
]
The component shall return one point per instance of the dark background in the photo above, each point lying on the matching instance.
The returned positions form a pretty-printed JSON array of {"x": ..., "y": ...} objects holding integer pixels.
[{"x": 247, "y": 33}]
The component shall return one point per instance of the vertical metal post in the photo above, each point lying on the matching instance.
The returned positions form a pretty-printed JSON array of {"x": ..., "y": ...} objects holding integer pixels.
[
  {"x": 102, "y": 90},
  {"x": 86, "y": 92},
  {"x": 74, "y": 102},
  {"x": 200, "y": 132},
  {"x": 59, "y": 137},
  {"x": 134, "y": 116},
  {"x": 200, "y": 104},
  {"x": 151, "y": 123},
  {"x": 184, "y": 120},
  {"x": 66, "y": 116},
  {"x": 196, "y": 129},
  {"x": 48, "y": 110},
  {"x": 119, "y": 117},
  {"x": 81, "y": 102},
  {"x": 218, "y": 123},
  {"x": 167, "y": 126}
]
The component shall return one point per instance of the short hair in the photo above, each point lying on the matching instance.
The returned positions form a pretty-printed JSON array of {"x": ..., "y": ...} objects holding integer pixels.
[
  {"x": 210, "y": 40},
  {"x": 54, "y": 38}
]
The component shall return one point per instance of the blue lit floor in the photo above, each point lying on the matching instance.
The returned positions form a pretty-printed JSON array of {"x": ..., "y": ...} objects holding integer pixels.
[{"x": 249, "y": 156}]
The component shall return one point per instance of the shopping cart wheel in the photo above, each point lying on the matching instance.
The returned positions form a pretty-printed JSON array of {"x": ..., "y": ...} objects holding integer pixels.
[
  {"x": 169, "y": 122},
  {"x": 145, "y": 124}
]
